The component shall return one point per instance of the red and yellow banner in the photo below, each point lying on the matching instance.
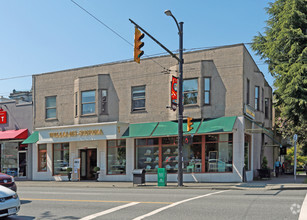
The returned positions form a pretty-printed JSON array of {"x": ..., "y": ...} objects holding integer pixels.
[{"x": 174, "y": 93}]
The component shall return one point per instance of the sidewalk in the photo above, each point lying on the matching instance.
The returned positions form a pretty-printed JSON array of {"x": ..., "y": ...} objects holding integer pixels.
[{"x": 284, "y": 182}]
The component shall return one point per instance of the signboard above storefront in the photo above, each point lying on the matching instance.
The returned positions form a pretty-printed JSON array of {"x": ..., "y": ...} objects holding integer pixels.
[
  {"x": 3, "y": 116},
  {"x": 86, "y": 132}
]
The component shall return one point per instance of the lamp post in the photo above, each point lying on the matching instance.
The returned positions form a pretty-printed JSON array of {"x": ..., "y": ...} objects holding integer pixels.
[{"x": 180, "y": 97}]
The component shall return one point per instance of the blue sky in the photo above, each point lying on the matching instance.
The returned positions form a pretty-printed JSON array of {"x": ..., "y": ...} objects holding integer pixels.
[{"x": 39, "y": 36}]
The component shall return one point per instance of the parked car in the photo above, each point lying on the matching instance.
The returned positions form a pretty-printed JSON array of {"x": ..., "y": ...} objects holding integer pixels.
[
  {"x": 8, "y": 181},
  {"x": 9, "y": 202}
]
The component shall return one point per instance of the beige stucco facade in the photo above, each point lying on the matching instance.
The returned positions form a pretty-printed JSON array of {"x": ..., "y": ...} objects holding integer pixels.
[{"x": 229, "y": 69}]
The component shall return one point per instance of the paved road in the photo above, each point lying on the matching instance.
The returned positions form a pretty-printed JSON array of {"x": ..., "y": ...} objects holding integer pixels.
[{"x": 162, "y": 203}]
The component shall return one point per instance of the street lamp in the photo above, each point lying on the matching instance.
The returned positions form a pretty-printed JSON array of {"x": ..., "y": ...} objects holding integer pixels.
[{"x": 180, "y": 97}]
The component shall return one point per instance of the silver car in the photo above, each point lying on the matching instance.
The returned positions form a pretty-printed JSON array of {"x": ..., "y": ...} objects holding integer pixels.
[{"x": 9, "y": 202}]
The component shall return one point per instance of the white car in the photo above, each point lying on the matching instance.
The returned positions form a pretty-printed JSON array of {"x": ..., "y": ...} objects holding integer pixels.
[{"x": 9, "y": 202}]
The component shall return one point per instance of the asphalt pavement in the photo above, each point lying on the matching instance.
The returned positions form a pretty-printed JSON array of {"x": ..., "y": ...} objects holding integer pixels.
[{"x": 283, "y": 182}]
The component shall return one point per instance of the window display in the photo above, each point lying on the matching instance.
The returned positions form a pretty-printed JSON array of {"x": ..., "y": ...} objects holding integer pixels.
[
  {"x": 42, "y": 157},
  {"x": 219, "y": 153},
  {"x": 208, "y": 153},
  {"x": 170, "y": 158},
  {"x": 147, "y": 154},
  {"x": 117, "y": 157},
  {"x": 9, "y": 152},
  {"x": 192, "y": 158},
  {"x": 60, "y": 158}
]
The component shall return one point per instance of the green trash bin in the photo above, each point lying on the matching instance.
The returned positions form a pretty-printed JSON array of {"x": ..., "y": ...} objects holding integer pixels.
[{"x": 162, "y": 177}]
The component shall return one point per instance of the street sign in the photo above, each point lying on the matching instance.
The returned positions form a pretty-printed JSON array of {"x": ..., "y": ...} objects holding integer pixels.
[
  {"x": 3, "y": 117},
  {"x": 295, "y": 137}
]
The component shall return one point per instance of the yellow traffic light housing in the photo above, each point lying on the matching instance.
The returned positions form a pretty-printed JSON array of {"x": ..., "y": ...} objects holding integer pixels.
[
  {"x": 138, "y": 44},
  {"x": 189, "y": 124}
]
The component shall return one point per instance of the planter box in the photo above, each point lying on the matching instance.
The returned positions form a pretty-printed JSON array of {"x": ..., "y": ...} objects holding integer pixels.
[{"x": 264, "y": 173}]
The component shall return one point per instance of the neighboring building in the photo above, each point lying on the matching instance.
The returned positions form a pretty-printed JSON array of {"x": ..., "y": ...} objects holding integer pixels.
[
  {"x": 21, "y": 96},
  {"x": 15, "y": 126},
  {"x": 114, "y": 116}
]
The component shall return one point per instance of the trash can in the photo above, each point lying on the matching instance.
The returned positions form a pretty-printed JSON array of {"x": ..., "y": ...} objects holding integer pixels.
[
  {"x": 138, "y": 176},
  {"x": 162, "y": 177}
]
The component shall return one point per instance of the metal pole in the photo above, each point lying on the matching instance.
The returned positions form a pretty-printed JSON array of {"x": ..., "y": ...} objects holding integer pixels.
[
  {"x": 180, "y": 106},
  {"x": 294, "y": 169}
]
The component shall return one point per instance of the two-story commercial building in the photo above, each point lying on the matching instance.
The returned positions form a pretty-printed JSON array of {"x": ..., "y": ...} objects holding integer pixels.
[
  {"x": 15, "y": 126},
  {"x": 116, "y": 116}
]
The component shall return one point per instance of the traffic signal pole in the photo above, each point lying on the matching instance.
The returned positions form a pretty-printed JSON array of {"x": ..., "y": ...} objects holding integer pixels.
[
  {"x": 180, "y": 104},
  {"x": 154, "y": 39},
  {"x": 180, "y": 88}
]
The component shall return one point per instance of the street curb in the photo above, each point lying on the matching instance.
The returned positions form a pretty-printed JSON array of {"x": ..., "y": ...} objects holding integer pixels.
[{"x": 130, "y": 185}]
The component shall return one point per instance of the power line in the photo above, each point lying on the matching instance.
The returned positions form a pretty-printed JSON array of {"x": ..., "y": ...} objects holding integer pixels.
[{"x": 93, "y": 16}]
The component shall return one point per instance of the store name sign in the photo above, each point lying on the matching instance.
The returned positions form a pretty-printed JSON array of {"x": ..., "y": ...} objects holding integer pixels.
[
  {"x": 3, "y": 117},
  {"x": 67, "y": 134},
  {"x": 249, "y": 111}
]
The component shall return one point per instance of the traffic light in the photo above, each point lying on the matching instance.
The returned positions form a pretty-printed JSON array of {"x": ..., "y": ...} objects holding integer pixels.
[
  {"x": 189, "y": 124},
  {"x": 138, "y": 44},
  {"x": 188, "y": 140}
]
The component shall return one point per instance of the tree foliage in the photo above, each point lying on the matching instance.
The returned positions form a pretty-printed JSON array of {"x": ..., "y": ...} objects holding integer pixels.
[
  {"x": 283, "y": 47},
  {"x": 301, "y": 160}
]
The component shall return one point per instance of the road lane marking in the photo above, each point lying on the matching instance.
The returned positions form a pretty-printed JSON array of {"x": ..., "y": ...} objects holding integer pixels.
[
  {"x": 303, "y": 212},
  {"x": 108, "y": 211},
  {"x": 174, "y": 204},
  {"x": 72, "y": 200}
]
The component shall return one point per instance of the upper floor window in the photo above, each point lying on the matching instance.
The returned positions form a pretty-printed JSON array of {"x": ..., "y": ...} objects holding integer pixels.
[
  {"x": 190, "y": 91},
  {"x": 207, "y": 89},
  {"x": 247, "y": 92},
  {"x": 76, "y": 104},
  {"x": 104, "y": 101},
  {"x": 257, "y": 98},
  {"x": 50, "y": 107},
  {"x": 262, "y": 99},
  {"x": 88, "y": 102},
  {"x": 138, "y": 98},
  {"x": 266, "y": 108}
]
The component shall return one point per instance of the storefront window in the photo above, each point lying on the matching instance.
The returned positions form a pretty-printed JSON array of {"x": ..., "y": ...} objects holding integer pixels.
[
  {"x": 147, "y": 154},
  {"x": 170, "y": 158},
  {"x": 60, "y": 158},
  {"x": 9, "y": 162},
  {"x": 42, "y": 158},
  {"x": 117, "y": 157},
  {"x": 213, "y": 156},
  {"x": 192, "y": 158},
  {"x": 219, "y": 153}
]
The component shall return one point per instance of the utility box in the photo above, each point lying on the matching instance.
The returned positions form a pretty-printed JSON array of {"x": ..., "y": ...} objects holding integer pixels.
[
  {"x": 162, "y": 177},
  {"x": 138, "y": 176}
]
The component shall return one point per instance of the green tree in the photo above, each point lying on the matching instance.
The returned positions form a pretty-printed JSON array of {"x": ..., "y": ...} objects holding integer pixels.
[
  {"x": 283, "y": 47},
  {"x": 301, "y": 160}
]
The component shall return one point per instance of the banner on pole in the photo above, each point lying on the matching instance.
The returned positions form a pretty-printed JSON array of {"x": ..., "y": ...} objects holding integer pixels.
[{"x": 174, "y": 93}]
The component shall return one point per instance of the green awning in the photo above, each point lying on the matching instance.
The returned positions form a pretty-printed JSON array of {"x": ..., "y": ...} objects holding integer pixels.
[
  {"x": 170, "y": 128},
  {"x": 140, "y": 130},
  {"x": 223, "y": 124},
  {"x": 33, "y": 138}
]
